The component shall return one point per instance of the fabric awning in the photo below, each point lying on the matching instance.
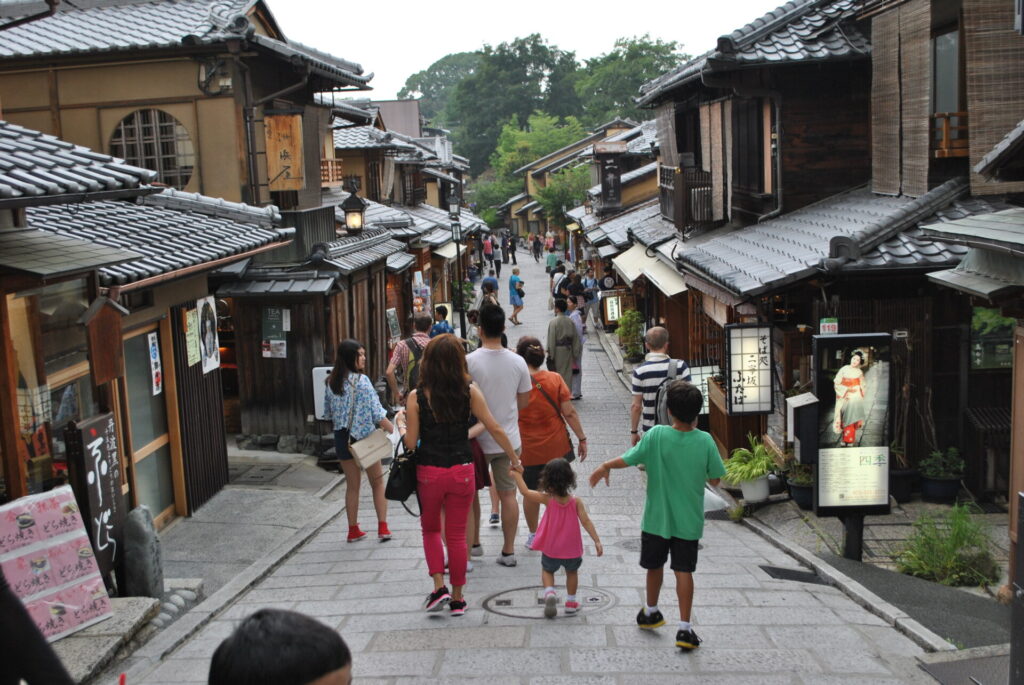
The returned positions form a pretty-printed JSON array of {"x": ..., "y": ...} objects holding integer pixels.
[
  {"x": 667, "y": 279},
  {"x": 630, "y": 264},
  {"x": 446, "y": 251}
]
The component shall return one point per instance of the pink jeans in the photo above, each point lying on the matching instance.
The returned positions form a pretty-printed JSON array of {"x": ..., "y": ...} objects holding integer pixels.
[{"x": 451, "y": 491}]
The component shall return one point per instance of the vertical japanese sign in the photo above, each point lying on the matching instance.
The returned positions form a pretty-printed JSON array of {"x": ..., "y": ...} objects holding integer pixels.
[
  {"x": 853, "y": 387},
  {"x": 699, "y": 376},
  {"x": 155, "y": 369},
  {"x": 209, "y": 343},
  {"x": 95, "y": 469},
  {"x": 276, "y": 323},
  {"x": 191, "y": 317},
  {"x": 749, "y": 372},
  {"x": 49, "y": 563},
  {"x": 284, "y": 151}
]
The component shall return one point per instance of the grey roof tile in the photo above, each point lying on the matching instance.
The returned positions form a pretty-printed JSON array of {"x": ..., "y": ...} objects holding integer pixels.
[
  {"x": 628, "y": 177},
  {"x": 167, "y": 238},
  {"x": 367, "y": 138},
  {"x": 1011, "y": 144},
  {"x": 352, "y": 253},
  {"x": 35, "y": 167}
]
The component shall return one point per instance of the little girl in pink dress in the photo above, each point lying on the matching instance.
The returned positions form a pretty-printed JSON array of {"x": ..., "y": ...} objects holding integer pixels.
[{"x": 558, "y": 536}]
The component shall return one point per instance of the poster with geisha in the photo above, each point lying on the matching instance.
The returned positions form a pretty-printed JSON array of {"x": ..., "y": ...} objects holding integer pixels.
[
  {"x": 852, "y": 384},
  {"x": 49, "y": 563}
]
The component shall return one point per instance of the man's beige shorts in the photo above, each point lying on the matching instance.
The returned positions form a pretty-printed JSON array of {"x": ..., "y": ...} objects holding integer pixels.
[{"x": 501, "y": 470}]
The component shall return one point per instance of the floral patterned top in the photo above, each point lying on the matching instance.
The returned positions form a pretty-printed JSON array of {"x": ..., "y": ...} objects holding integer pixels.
[{"x": 369, "y": 411}]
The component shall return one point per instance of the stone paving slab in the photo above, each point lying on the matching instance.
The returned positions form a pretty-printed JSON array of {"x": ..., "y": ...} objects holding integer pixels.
[{"x": 756, "y": 628}]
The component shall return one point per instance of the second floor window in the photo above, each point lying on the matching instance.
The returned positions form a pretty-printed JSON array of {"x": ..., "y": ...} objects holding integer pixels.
[
  {"x": 153, "y": 139},
  {"x": 748, "y": 146}
]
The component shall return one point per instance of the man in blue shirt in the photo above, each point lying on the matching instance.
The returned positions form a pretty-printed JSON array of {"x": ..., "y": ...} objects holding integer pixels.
[
  {"x": 441, "y": 324},
  {"x": 492, "y": 279}
]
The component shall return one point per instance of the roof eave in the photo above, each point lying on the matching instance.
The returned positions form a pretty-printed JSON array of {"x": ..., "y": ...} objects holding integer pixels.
[{"x": 75, "y": 198}]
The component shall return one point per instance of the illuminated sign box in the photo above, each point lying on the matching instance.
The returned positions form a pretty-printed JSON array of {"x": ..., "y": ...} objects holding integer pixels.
[
  {"x": 852, "y": 384},
  {"x": 749, "y": 362}
]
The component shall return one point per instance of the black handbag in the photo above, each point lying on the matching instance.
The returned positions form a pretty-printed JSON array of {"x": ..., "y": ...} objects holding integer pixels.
[
  {"x": 569, "y": 456},
  {"x": 401, "y": 484}
]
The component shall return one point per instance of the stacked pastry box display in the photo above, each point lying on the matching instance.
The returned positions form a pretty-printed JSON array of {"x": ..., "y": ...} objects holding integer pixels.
[{"x": 48, "y": 561}]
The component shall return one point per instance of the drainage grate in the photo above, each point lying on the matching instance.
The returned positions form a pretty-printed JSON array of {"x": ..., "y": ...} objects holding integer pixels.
[
  {"x": 780, "y": 573},
  {"x": 261, "y": 474}
]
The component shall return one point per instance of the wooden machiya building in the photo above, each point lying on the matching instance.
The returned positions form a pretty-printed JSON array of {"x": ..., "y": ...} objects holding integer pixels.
[
  {"x": 107, "y": 312},
  {"x": 795, "y": 201}
]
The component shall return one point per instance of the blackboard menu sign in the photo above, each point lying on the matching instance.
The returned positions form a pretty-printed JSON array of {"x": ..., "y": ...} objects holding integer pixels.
[{"x": 94, "y": 466}]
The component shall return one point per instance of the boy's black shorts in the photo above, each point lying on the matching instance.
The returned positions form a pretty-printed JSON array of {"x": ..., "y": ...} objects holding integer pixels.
[{"x": 654, "y": 551}]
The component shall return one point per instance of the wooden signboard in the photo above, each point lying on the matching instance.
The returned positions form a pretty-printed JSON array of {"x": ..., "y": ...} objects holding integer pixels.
[
  {"x": 103, "y": 328},
  {"x": 284, "y": 151}
]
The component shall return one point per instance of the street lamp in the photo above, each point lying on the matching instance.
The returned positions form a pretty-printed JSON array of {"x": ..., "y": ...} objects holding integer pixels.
[
  {"x": 354, "y": 207},
  {"x": 454, "y": 209}
]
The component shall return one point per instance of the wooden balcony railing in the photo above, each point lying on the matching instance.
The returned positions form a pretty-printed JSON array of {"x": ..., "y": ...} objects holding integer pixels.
[
  {"x": 685, "y": 197},
  {"x": 331, "y": 173},
  {"x": 949, "y": 135}
]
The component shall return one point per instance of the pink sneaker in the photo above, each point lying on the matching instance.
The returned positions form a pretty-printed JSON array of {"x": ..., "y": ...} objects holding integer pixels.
[{"x": 572, "y": 607}]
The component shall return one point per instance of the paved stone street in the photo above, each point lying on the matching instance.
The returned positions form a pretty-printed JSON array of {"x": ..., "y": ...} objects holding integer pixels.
[{"x": 756, "y": 628}]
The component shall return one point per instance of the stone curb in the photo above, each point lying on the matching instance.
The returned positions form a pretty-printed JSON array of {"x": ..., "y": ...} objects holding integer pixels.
[
  {"x": 150, "y": 655},
  {"x": 889, "y": 613},
  {"x": 615, "y": 357}
]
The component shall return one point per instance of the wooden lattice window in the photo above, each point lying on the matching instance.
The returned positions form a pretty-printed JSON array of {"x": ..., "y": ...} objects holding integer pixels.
[{"x": 153, "y": 139}]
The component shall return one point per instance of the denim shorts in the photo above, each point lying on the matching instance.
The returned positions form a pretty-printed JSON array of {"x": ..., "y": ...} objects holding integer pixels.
[{"x": 550, "y": 564}]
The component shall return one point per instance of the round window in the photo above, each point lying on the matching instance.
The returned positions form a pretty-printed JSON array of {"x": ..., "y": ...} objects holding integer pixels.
[{"x": 153, "y": 139}]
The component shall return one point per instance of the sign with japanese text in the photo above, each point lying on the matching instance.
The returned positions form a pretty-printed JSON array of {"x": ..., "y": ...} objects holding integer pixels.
[
  {"x": 191, "y": 317},
  {"x": 699, "y": 376},
  {"x": 49, "y": 564},
  {"x": 155, "y": 369},
  {"x": 95, "y": 469},
  {"x": 749, "y": 371},
  {"x": 275, "y": 323},
  {"x": 852, "y": 384},
  {"x": 284, "y": 151}
]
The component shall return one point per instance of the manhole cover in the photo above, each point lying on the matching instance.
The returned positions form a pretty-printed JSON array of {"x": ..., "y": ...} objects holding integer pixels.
[
  {"x": 259, "y": 475},
  {"x": 528, "y": 602},
  {"x": 236, "y": 470}
]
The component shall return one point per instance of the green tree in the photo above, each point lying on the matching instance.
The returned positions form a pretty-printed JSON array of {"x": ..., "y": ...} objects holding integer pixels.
[
  {"x": 511, "y": 81},
  {"x": 434, "y": 85},
  {"x": 565, "y": 189},
  {"x": 607, "y": 84}
]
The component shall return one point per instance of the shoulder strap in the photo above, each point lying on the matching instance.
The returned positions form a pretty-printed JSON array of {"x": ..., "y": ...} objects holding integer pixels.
[
  {"x": 673, "y": 369},
  {"x": 352, "y": 409},
  {"x": 414, "y": 348},
  {"x": 548, "y": 398}
]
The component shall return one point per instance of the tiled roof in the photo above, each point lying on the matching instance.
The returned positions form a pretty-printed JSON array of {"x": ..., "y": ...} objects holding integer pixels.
[
  {"x": 186, "y": 231},
  {"x": 798, "y": 31},
  {"x": 38, "y": 169},
  {"x": 824, "y": 236},
  {"x": 616, "y": 228},
  {"x": 45, "y": 255},
  {"x": 277, "y": 283},
  {"x": 1012, "y": 144},
  {"x": 367, "y": 138},
  {"x": 353, "y": 253},
  {"x": 469, "y": 220},
  {"x": 512, "y": 200},
  {"x": 90, "y": 26},
  {"x": 598, "y": 134},
  {"x": 400, "y": 261},
  {"x": 628, "y": 177}
]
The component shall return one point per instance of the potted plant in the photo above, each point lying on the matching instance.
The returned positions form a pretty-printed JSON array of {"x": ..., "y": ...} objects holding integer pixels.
[
  {"x": 630, "y": 330},
  {"x": 941, "y": 472},
  {"x": 749, "y": 467},
  {"x": 800, "y": 479}
]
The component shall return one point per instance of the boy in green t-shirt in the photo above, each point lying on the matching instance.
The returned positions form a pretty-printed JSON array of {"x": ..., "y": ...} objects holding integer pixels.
[{"x": 678, "y": 459}]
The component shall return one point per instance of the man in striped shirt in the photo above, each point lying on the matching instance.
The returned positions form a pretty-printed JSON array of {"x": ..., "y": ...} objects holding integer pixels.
[{"x": 648, "y": 377}]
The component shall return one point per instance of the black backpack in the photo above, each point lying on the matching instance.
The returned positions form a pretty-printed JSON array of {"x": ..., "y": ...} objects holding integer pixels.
[{"x": 661, "y": 414}]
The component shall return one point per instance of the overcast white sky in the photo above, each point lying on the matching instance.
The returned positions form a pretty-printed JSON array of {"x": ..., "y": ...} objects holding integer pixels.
[{"x": 396, "y": 39}]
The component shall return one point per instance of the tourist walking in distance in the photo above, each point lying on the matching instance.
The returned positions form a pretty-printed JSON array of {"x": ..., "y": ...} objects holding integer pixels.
[
  {"x": 648, "y": 377},
  {"x": 511, "y": 251},
  {"x": 576, "y": 387},
  {"x": 563, "y": 343},
  {"x": 679, "y": 459},
  {"x": 542, "y": 424},
  {"x": 505, "y": 381},
  {"x": 437, "y": 429},
  {"x": 538, "y": 247},
  {"x": 488, "y": 250},
  {"x": 405, "y": 357},
  {"x": 515, "y": 295},
  {"x": 355, "y": 409},
  {"x": 558, "y": 538},
  {"x": 496, "y": 252},
  {"x": 590, "y": 300}
]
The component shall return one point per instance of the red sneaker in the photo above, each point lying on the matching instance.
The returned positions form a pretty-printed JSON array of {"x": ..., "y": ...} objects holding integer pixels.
[
  {"x": 355, "y": 534},
  {"x": 572, "y": 607},
  {"x": 382, "y": 531}
]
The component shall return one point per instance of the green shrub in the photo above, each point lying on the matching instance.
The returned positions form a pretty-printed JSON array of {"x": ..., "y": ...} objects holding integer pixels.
[
  {"x": 952, "y": 549},
  {"x": 942, "y": 464},
  {"x": 800, "y": 474},
  {"x": 630, "y": 330},
  {"x": 746, "y": 464}
]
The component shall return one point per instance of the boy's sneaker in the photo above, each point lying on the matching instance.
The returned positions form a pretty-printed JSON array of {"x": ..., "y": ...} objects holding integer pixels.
[
  {"x": 655, "y": 620},
  {"x": 529, "y": 540},
  {"x": 550, "y": 605},
  {"x": 437, "y": 599},
  {"x": 507, "y": 559},
  {"x": 572, "y": 607},
  {"x": 687, "y": 640},
  {"x": 476, "y": 551},
  {"x": 457, "y": 607},
  {"x": 495, "y": 519}
]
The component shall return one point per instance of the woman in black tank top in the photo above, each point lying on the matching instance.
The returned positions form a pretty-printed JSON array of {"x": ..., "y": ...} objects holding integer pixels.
[{"x": 438, "y": 416}]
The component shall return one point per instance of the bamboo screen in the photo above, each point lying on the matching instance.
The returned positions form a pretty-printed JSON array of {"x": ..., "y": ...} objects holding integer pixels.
[
  {"x": 995, "y": 82},
  {"x": 916, "y": 95},
  {"x": 666, "y": 118},
  {"x": 727, "y": 155},
  {"x": 705, "y": 137},
  {"x": 885, "y": 104},
  {"x": 717, "y": 164}
]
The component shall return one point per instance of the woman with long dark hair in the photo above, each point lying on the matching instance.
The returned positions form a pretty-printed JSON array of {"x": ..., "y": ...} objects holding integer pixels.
[
  {"x": 438, "y": 416},
  {"x": 347, "y": 385}
]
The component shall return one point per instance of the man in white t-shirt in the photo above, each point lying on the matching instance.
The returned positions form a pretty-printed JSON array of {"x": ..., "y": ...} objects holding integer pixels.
[{"x": 504, "y": 379}]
